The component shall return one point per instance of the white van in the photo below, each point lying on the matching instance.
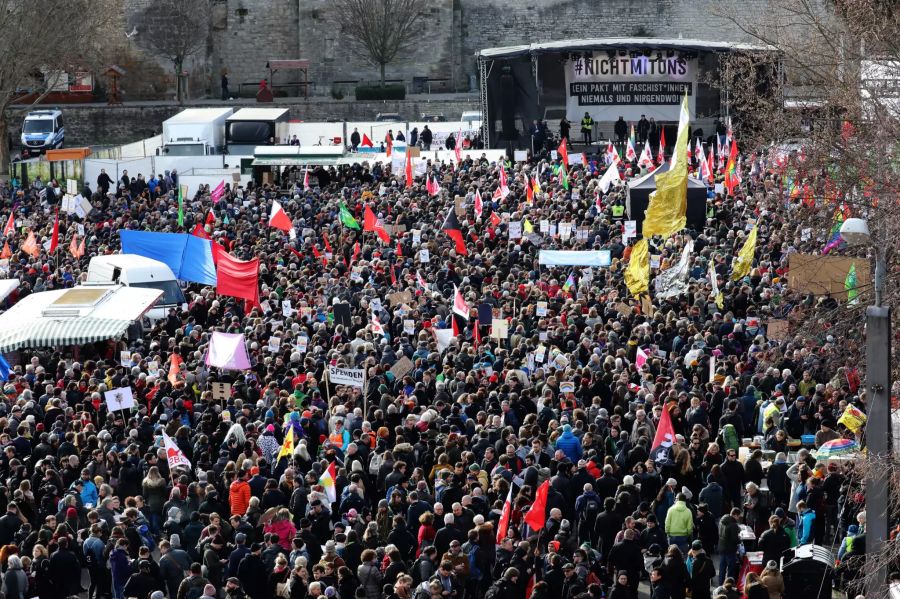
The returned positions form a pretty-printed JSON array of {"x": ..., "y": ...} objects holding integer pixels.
[
  {"x": 43, "y": 130},
  {"x": 137, "y": 271}
]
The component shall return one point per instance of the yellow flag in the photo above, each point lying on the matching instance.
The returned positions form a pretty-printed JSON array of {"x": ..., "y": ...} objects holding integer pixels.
[
  {"x": 666, "y": 214},
  {"x": 744, "y": 259},
  {"x": 637, "y": 275},
  {"x": 853, "y": 419},
  {"x": 287, "y": 448},
  {"x": 529, "y": 228}
]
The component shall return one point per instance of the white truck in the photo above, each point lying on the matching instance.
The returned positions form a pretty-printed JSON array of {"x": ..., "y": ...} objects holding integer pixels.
[
  {"x": 138, "y": 271},
  {"x": 196, "y": 132}
]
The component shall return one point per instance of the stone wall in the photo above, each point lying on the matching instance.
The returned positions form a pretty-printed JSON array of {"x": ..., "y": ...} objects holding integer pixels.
[
  {"x": 89, "y": 125},
  {"x": 244, "y": 34}
]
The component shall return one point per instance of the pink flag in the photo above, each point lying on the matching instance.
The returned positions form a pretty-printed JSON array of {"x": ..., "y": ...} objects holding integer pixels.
[
  {"x": 641, "y": 358},
  {"x": 228, "y": 351},
  {"x": 218, "y": 192}
]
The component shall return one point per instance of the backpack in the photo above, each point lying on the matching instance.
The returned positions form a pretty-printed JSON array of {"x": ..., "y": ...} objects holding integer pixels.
[
  {"x": 730, "y": 438},
  {"x": 375, "y": 463},
  {"x": 474, "y": 569},
  {"x": 195, "y": 591},
  {"x": 495, "y": 591},
  {"x": 591, "y": 510}
]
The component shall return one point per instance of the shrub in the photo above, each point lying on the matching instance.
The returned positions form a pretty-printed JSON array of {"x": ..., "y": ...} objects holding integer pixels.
[{"x": 376, "y": 92}]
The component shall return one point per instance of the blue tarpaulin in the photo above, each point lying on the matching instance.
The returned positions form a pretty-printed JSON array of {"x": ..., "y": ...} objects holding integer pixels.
[{"x": 189, "y": 256}]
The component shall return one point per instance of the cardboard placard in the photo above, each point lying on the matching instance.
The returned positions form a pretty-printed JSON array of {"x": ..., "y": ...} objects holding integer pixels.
[
  {"x": 401, "y": 367},
  {"x": 401, "y": 297},
  {"x": 499, "y": 328},
  {"x": 823, "y": 275},
  {"x": 221, "y": 391},
  {"x": 623, "y": 309}
]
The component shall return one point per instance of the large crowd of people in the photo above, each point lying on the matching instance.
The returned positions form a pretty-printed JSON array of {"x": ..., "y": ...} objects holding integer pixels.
[{"x": 441, "y": 438}]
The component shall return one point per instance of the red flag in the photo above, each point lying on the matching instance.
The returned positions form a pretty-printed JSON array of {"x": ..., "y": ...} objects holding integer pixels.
[
  {"x": 6, "y": 253},
  {"x": 409, "y": 169},
  {"x": 479, "y": 205},
  {"x": 355, "y": 252},
  {"x": 373, "y": 223},
  {"x": 316, "y": 252},
  {"x": 661, "y": 450},
  {"x": 459, "y": 304},
  {"x": 54, "y": 239},
  {"x": 661, "y": 155},
  {"x": 710, "y": 167},
  {"x": 327, "y": 245},
  {"x": 455, "y": 325},
  {"x": 503, "y": 525},
  {"x": 495, "y": 219},
  {"x": 563, "y": 151},
  {"x": 366, "y": 141},
  {"x": 210, "y": 218},
  {"x": 389, "y": 142},
  {"x": 530, "y": 586},
  {"x": 458, "y": 147},
  {"x": 279, "y": 219},
  {"x": 399, "y": 249},
  {"x": 452, "y": 229},
  {"x": 81, "y": 248},
  {"x": 30, "y": 246},
  {"x": 537, "y": 515},
  {"x": 199, "y": 231},
  {"x": 238, "y": 278},
  {"x": 73, "y": 247},
  {"x": 529, "y": 190},
  {"x": 10, "y": 225},
  {"x": 731, "y": 176},
  {"x": 296, "y": 253},
  {"x": 393, "y": 275},
  {"x": 306, "y": 180}
]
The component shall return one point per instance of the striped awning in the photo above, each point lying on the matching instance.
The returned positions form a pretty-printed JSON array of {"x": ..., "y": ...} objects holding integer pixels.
[{"x": 61, "y": 332}]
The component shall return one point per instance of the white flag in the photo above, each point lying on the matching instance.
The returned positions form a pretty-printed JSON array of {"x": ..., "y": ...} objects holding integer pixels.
[
  {"x": 611, "y": 175},
  {"x": 174, "y": 454}
]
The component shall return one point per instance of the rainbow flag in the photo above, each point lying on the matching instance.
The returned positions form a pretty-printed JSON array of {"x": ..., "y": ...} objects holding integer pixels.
[
  {"x": 570, "y": 282},
  {"x": 834, "y": 239}
]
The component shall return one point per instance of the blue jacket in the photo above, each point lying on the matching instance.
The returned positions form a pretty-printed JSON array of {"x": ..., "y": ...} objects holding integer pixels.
[
  {"x": 570, "y": 445},
  {"x": 89, "y": 494},
  {"x": 805, "y": 527}
]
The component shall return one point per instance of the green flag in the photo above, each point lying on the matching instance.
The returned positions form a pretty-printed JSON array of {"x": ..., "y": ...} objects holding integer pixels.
[
  {"x": 347, "y": 218},
  {"x": 182, "y": 191},
  {"x": 564, "y": 177},
  {"x": 850, "y": 285}
]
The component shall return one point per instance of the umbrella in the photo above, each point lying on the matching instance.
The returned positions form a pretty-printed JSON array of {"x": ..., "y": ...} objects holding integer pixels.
[{"x": 837, "y": 447}]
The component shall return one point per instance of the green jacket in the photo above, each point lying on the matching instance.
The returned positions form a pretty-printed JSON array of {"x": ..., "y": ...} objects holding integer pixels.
[{"x": 679, "y": 520}]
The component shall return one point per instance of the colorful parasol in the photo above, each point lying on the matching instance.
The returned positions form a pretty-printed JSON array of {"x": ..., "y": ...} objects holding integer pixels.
[{"x": 837, "y": 447}]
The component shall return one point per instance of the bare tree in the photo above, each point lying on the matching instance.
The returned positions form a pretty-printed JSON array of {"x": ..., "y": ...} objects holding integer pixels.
[
  {"x": 27, "y": 54},
  {"x": 381, "y": 28},
  {"x": 175, "y": 30},
  {"x": 839, "y": 95}
]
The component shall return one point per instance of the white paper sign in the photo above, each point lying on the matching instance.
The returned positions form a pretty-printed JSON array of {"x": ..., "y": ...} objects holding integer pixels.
[
  {"x": 71, "y": 186},
  {"x": 565, "y": 231},
  {"x": 654, "y": 261},
  {"x": 409, "y": 327},
  {"x": 302, "y": 343},
  {"x": 416, "y": 236},
  {"x": 515, "y": 229},
  {"x": 520, "y": 155},
  {"x": 286, "y": 308},
  {"x": 541, "y": 309},
  {"x": 274, "y": 344},
  {"x": 424, "y": 256},
  {"x": 354, "y": 377},
  {"x": 125, "y": 358},
  {"x": 119, "y": 399},
  {"x": 629, "y": 231},
  {"x": 375, "y": 304},
  {"x": 545, "y": 225}
]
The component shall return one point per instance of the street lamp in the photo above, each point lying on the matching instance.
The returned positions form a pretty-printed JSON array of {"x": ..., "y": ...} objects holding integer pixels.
[{"x": 855, "y": 231}]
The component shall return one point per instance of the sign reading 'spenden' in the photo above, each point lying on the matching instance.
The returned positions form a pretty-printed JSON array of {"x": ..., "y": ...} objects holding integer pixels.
[{"x": 610, "y": 87}]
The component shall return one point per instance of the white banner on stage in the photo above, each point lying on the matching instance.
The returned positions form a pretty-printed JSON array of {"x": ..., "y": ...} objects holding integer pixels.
[{"x": 609, "y": 87}]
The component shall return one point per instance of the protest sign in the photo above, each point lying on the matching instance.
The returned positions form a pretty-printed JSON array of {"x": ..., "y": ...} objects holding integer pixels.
[
  {"x": 401, "y": 367},
  {"x": 353, "y": 377},
  {"x": 119, "y": 399}
]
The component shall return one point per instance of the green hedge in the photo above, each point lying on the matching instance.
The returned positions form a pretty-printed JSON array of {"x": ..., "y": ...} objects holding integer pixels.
[{"x": 376, "y": 92}]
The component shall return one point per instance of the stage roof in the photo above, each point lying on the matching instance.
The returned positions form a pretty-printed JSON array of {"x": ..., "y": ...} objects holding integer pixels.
[{"x": 621, "y": 43}]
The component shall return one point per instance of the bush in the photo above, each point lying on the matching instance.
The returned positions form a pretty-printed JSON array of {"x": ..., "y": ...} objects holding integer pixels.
[
  {"x": 337, "y": 93},
  {"x": 376, "y": 92}
]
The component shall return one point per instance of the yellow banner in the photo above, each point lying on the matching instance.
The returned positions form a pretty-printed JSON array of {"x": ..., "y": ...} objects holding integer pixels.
[{"x": 637, "y": 275}]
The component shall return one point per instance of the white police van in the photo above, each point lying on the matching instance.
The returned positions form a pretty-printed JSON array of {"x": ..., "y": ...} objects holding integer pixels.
[{"x": 43, "y": 130}]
